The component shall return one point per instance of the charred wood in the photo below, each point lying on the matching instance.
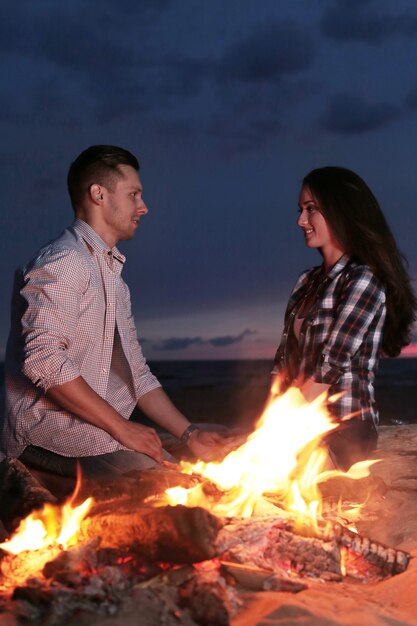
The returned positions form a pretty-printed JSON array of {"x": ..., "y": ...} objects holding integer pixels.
[
  {"x": 258, "y": 579},
  {"x": 20, "y": 493},
  {"x": 81, "y": 559},
  {"x": 389, "y": 560},
  {"x": 209, "y": 598},
  {"x": 172, "y": 534},
  {"x": 134, "y": 487},
  {"x": 268, "y": 543}
]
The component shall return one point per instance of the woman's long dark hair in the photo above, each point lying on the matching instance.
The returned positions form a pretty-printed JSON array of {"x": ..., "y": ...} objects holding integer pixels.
[{"x": 355, "y": 217}]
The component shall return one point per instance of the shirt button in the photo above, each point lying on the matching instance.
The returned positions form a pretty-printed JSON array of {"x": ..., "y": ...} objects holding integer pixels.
[
  {"x": 103, "y": 370},
  {"x": 109, "y": 304}
]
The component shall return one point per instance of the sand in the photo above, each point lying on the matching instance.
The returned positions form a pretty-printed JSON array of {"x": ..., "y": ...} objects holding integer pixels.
[{"x": 391, "y": 519}]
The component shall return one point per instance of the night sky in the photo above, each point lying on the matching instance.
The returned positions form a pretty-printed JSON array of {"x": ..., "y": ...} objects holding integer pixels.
[{"x": 227, "y": 104}]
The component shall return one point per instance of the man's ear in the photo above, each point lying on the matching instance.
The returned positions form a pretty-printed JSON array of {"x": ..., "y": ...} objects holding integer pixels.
[{"x": 96, "y": 193}]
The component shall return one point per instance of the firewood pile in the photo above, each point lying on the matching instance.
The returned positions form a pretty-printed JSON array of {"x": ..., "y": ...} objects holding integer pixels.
[{"x": 174, "y": 565}]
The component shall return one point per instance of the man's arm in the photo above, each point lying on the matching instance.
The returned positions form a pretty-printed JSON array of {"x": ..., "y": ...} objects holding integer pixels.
[
  {"x": 77, "y": 397},
  {"x": 204, "y": 444}
]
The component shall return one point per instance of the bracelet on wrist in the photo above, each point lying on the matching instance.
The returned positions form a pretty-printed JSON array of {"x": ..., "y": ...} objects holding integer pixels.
[{"x": 187, "y": 433}]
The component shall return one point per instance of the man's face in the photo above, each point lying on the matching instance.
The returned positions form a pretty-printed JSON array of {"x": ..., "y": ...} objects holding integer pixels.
[{"x": 123, "y": 207}]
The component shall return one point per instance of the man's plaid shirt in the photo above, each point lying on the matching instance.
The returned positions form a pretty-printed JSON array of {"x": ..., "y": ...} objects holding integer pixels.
[
  {"x": 71, "y": 316},
  {"x": 340, "y": 337}
]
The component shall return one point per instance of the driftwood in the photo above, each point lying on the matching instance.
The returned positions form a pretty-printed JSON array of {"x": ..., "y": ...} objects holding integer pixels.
[
  {"x": 20, "y": 493},
  {"x": 172, "y": 534}
]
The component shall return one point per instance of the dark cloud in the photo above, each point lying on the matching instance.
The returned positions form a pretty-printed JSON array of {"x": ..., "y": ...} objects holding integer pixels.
[
  {"x": 273, "y": 51},
  {"x": 179, "y": 75},
  {"x": 69, "y": 67},
  {"x": 258, "y": 79},
  {"x": 177, "y": 343},
  {"x": 182, "y": 343},
  {"x": 252, "y": 115},
  {"x": 228, "y": 340},
  {"x": 348, "y": 114},
  {"x": 355, "y": 21},
  {"x": 106, "y": 68},
  {"x": 411, "y": 99}
]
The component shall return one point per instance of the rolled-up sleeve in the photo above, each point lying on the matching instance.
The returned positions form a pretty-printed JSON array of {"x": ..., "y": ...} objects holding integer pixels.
[
  {"x": 52, "y": 292},
  {"x": 361, "y": 305}
]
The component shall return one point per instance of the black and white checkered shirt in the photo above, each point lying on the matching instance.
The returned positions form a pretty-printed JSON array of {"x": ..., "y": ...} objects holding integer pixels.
[
  {"x": 71, "y": 316},
  {"x": 340, "y": 336}
]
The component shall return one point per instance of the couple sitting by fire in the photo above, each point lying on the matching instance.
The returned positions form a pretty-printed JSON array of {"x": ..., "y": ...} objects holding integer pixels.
[{"x": 74, "y": 367}]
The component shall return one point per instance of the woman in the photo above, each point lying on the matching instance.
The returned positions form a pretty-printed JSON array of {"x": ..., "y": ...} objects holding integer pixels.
[{"x": 343, "y": 314}]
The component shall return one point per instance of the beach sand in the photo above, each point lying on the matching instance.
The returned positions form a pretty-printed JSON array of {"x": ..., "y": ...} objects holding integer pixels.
[{"x": 390, "y": 519}]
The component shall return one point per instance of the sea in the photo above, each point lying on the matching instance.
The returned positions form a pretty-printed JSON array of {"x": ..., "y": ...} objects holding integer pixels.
[
  {"x": 398, "y": 373},
  {"x": 396, "y": 381}
]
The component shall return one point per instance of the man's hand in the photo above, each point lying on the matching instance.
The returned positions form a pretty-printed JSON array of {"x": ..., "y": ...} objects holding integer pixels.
[
  {"x": 210, "y": 446},
  {"x": 79, "y": 398},
  {"x": 139, "y": 438}
]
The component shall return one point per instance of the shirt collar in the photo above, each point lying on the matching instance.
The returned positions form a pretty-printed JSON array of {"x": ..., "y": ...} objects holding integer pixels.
[
  {"x": 338, "y": 266},
  {"x": 95, "y": 241}
]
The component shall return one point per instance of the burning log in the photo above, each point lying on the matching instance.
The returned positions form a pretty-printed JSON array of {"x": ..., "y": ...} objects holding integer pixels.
[
  {"x": 135, "y": 487},
  {"x": 78, "y": 560},
  {"x": 20, "y": 493},
  {"x": 55, "y": 604},
  {"x": 389, "y": 560},
  {"x": 270, "y": 544},
  {"x": 171, "y": 534}
]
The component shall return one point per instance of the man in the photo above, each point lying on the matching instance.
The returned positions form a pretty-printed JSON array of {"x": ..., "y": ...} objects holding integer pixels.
[{"x": 74, "y": 368}]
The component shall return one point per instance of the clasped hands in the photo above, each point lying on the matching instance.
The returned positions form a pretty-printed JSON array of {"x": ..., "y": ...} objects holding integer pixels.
[{"x": 205, "y": 445}]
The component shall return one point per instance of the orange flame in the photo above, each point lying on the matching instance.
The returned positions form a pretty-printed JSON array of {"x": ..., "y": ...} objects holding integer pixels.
[
  {"x": 51, "y": 526},
  {"x": 48, "y": 527},
  {"x": 281, "y": 457}
]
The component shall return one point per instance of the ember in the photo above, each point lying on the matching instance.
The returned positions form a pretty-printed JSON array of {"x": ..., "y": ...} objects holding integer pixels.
[{"x": 255, "y": 520}]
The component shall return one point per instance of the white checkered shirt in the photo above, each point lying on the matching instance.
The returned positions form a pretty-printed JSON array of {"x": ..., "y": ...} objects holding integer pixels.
[{"x": 71, "y": 316}]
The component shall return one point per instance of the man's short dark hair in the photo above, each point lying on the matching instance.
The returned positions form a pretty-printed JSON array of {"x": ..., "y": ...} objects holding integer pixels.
[{"x": 100, "y": 165}]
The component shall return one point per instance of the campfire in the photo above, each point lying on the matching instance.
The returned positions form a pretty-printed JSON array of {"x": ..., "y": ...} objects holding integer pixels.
[{"x": 262, "y": 518}]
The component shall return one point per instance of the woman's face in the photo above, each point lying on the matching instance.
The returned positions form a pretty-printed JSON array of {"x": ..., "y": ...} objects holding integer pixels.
[{"x": 317, "y": 233}]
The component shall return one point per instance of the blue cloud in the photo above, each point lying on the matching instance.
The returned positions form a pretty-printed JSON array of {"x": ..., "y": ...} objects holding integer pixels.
[
  {"x": 353, "y": 21},
  {"x": 182, "y": 343},
  {"x": 349, "y": 114}
]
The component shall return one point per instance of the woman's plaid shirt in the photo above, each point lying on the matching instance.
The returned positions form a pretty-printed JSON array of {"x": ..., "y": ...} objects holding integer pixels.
[{"x": 340, "y": 337}]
